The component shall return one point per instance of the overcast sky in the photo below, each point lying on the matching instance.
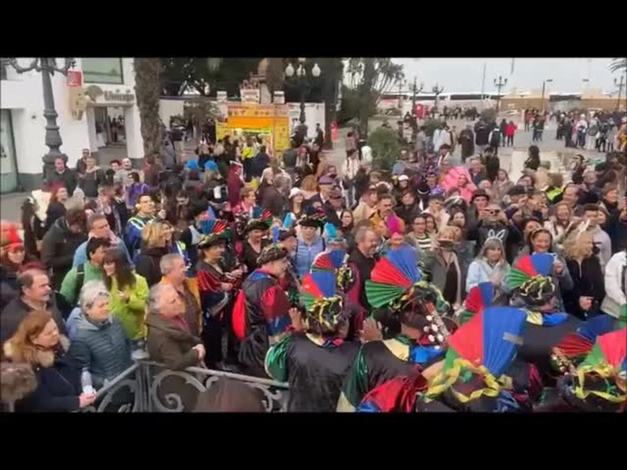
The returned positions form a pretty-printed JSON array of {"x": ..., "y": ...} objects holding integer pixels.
[{"x": 465, "y": 74}]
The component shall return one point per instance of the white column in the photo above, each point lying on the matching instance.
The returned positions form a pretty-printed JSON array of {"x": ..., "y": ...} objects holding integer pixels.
[
  {"x": 90, "y": 119},
  {"x": 132, "y": 128}
]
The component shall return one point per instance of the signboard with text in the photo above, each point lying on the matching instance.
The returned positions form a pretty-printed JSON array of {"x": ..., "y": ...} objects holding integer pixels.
[{"x": 74, "y": 78}]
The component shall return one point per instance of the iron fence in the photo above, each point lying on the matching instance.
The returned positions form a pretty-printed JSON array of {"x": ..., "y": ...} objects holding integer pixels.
[{"x": 148, "y": 386}]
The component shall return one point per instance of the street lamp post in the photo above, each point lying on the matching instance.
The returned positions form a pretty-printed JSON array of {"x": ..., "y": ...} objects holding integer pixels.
[
  {"x": 302, "y": 81},
  {"x": 401, "y": 84},
  {"x": 415, "y": 91},
  {"x": 48, "y": 66},
  {"x": 499, "y": 84},
  {"x": 437, "y": 90},
  {"x": 620, "y": 86},
  {"x": 548, "y": 80}
]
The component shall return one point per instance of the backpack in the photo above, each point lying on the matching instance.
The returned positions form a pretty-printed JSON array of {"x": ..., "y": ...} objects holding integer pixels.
[
  {"x": 496, "y": 136},
  {"x": 63, "y": 305},
  {"x": 80, "y": 280}
]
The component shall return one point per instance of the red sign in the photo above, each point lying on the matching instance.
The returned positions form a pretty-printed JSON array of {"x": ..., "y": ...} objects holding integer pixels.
[
  {"x": 74, "y": 78},
  {"x": 334, "y": 131}
]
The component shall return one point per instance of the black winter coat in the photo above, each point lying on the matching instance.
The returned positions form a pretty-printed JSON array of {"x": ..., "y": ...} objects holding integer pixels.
[
  {"x": 67, "y": 179},
  {"x": 58, "y": 248},
  {"x": 148, "y": 264},
  {"x": 588, "y": 280},
  {"x": 58, "y": 382}
]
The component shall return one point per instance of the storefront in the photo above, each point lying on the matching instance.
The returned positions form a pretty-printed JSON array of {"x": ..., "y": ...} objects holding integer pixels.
[{"x": 98, "y": 90}]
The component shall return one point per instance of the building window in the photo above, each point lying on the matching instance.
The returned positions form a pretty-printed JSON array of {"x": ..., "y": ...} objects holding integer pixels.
[{"x": 102, "y": 70}]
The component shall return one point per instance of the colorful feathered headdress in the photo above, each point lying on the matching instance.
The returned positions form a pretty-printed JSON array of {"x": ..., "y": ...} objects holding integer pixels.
[
  {"x": 603, "y": 373},
  {"x": 479, "y": 298},
  {"x": 395, "y": 283},
  {"x": 321, "y": 300},
  {"x": 530, "y": 278},
  {"x": 314, "y": 218},
  {"x": 217, "y": 232},
  {"x": 478, "y": 355},
  {"x": 263, "y": 222},
  {"x": 334, "y": 261},
  {"x": 574, "y": 347}
]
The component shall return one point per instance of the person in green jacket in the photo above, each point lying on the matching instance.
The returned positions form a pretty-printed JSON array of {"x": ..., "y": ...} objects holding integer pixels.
[
  {"x": 91, "y": 270},
  {"x": 129, "y": 294}
]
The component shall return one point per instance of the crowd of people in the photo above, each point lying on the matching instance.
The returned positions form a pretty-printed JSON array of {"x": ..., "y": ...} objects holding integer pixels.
[{"x": 428, "y": 288}]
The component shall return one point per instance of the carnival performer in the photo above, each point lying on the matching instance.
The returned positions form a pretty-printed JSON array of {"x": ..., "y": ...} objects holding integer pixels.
[
  {"x": 481, "y": 371},
  {"x": 534, "y": 291},
  {"x": 216, "y": 285},
  {"x": 261, "y": 314},
  {"x": 418, "y": 306},
  {"x": 599, "y": 383},
  {"x": 314, "y": 362}
]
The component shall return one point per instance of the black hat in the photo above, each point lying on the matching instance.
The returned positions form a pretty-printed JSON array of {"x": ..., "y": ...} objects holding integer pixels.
[
  {"x": 517, "y": 190},
  {"x": 271, "y": 253},
  {"x": 479, "y": 193},
  {"x": 313, "y": 218},
  {"x": 256, "y": 224},
  {"x": 197, "y": 207},
  {"x": 284, "y": 234}
]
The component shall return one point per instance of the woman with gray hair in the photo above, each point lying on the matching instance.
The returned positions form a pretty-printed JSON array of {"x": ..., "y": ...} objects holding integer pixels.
[
  {"x": 99, "y": 345},
  {"x": 490, "y": 266}
]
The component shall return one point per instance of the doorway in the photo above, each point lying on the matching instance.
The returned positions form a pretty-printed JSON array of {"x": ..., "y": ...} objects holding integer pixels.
[
  {"x": 107, "y": 133},
  {"x": 8, "y": 160}
]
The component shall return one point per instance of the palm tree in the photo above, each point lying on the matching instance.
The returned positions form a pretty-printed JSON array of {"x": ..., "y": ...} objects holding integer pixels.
[
  {"x": 619, "y": 65},
  {"x": 148, "y": 90}
]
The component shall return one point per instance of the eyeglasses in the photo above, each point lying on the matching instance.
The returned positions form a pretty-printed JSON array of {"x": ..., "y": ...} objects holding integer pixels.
[{"x": 17, "y": 249}]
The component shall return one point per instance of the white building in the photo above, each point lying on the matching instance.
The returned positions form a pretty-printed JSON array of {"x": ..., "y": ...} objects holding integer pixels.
[{"x": 109, "y": 84}]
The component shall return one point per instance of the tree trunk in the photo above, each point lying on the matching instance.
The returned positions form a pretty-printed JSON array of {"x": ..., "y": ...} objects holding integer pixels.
[
  {"x": 365, "y": 94},
  {"x": 147, "y": 89}
]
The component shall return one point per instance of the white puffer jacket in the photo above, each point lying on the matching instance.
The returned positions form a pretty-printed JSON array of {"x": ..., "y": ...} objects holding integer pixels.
[{"x": 615, "y": 301}]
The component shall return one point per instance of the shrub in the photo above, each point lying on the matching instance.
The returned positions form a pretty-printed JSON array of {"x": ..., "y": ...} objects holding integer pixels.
[{"x": 385, "y": 148}]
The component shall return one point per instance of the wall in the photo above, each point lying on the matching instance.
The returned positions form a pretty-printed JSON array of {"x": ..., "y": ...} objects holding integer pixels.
[
  {"x": 169, "y": 107},
  {"x": 23, "y": 95}
]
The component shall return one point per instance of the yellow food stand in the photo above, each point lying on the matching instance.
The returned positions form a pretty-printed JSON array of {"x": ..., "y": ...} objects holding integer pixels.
[{"x": 270, "y": 121}]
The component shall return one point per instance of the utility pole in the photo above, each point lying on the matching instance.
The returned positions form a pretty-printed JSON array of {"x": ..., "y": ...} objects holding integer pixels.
[{"x": 620, "y": 86}]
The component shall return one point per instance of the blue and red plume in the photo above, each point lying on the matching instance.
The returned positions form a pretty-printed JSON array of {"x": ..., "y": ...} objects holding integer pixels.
[
  {"x": 397, "y": 268},
  {"x": 392, "y": 276},
  {"x": 479, "y": 298},
  {"x": 319, "y": 284},
  {"x": 490, "y": 338},
  {"x": 538, "y": 264},
  {"x": 329, "y": 260},
  {"x": 528, "y": 266}
]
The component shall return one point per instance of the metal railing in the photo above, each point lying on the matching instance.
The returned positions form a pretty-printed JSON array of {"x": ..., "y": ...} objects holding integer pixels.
[{"x": 148, "y": 386}]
